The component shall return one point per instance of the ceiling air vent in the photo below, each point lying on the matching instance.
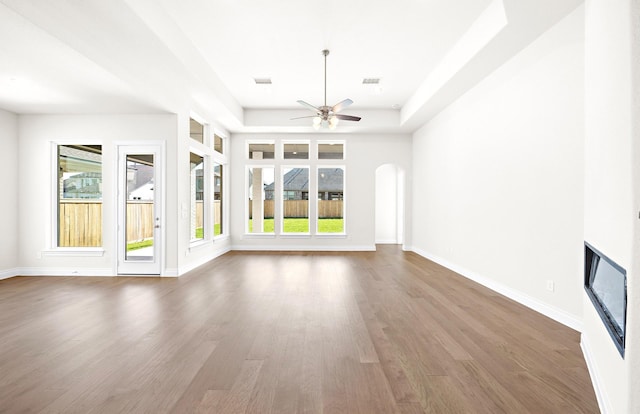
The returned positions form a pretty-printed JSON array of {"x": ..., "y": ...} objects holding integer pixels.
[
  {"x": 262, "y": 81},
  {"x": 370, "y": 81}
]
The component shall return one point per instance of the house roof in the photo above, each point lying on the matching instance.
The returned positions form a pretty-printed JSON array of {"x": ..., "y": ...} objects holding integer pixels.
[{"x": 297, "y": 179}]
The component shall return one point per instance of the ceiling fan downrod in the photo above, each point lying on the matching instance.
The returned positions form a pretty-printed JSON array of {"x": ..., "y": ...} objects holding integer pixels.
[{"x": 325, "y": 52}]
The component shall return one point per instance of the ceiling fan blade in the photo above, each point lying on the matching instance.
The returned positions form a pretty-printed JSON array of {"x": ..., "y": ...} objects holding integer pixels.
[
  {"x": 340, "y": 105},
  {"x": 301, "y": 117},
  {"x": 347, "y": 117},
  {"x": 308, "y": 105}
]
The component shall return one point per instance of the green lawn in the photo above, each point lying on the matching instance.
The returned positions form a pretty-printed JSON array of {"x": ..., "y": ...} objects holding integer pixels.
[
  {"x": 200, "y": 231},
  {"x": 301, "y": 225},
  {"x": 331, "y": 225},
  {"x": 139, "y": 244}
]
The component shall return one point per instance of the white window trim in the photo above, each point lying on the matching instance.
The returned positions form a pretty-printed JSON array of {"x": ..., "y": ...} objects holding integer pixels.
[
  {"x": 223, "y": 234},
  {"x": 206, "y": 219},
  {"x": 246, "y": 197},
  {"x": 205, "y": 130},
  {"x": 295, "y": 141},
  {"x": 276, "y": 150},
  {"x": 53, "y": 249},
  {"x": 344, "y": 200},
  {"x": 222, "y": 159},
  {"x": 331, "y": 142},
  {"x": 214, "y": 133},
  {"x": 281, "y": 190}
]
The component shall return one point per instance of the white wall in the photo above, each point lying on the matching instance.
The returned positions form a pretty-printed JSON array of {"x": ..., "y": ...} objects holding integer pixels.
[
  {"x": 610, "y": 211},
  {"x": 35, "y": 168},
  {"x": 497, "y": 177},
  {"x": 387, "y": 208},
  {"x": 364, "y": 154},
  {"x": 633, "y": 316},
  {"x": 9, "y": 204}
]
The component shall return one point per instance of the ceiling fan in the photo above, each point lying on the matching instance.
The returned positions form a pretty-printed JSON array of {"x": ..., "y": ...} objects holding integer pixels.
[{"x": 327, "y": 115}]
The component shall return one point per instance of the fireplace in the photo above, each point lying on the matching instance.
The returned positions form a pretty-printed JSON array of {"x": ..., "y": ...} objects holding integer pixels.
[{"x": 606, "y": 284}]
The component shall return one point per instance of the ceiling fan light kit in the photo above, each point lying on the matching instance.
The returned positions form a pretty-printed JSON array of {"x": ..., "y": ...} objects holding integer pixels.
[{"x": 327, "y": 116}]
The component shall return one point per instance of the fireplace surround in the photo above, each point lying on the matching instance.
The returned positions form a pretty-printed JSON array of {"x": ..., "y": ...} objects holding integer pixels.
[{"x": 606, "y": 285}]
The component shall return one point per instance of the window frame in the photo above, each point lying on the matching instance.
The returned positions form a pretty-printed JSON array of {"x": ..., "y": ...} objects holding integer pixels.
[
  {"x": 295, "y": 142},
  {"x": 331, "y": 142},
  {"x": 205, "y": 126},
  {"x": 276, "y": 195},
  {"x": 279, "y": 163},
  {"x": 53, "y": 237},
  {"x": 276, "y": 150},
  {"x": 281, "y": 200},
  {"x": 221, "y": 159},
  {"x": 206, "y": 198},
  {"x": 211, "y": 159},
  {"x": 344, "y": 198}
]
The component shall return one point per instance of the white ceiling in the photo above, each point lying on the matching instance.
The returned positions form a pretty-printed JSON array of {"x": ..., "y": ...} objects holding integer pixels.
[
  {"x": 83, "y": 56},
  {"x": 397, "y": 41}
]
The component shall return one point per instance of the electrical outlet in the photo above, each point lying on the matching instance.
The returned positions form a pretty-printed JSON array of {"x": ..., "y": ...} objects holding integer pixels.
[{"x": 550, "y": 285}]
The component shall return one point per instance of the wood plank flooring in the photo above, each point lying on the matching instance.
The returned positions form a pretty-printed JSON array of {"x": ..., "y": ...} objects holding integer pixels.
[{"x": 365, "y": 332}]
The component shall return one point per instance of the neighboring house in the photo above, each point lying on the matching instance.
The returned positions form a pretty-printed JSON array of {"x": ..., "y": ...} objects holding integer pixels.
[
  {"x": 83, "y": 185},
  {"x": 144, "y": 192},
  {"x": 139, "y": 181},
  {"x": 296, "y": 185}
]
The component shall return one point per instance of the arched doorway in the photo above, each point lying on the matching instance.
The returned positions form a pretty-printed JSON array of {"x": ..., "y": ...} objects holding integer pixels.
[{"x": 389, "y": 204}]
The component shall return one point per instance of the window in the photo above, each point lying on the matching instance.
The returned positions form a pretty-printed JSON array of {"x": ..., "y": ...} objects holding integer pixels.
[
  {"x": 196, "y": 130},
  {"x": 261, "y": 187},
  {"x": 79, "y": 195},
  {"x": 218, "y": 144},
  {"x": 302, "y": 184},
  {"x": 217, "y": 199},
  {"x": 197, "y": 196},
  {"x": 330, "y": 151},
  {"x": 258, "y": 151},
  {"x": 295, "y": 209},
  {"x": 330, "y": 200},
  {"x": 294, "y": 151}
]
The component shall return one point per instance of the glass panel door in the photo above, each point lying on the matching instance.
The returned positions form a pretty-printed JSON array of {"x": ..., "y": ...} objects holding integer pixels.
[
  {"x": 140, "y": 217},
  {"x": 139, "y": 205}
]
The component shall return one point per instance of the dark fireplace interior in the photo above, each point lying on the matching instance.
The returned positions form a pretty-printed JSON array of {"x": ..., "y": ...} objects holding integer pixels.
[{"x": 606, "y": 285}]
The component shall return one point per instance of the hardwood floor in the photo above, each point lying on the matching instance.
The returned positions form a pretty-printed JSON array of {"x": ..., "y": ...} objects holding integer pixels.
[{"x": 366, "y": 332}]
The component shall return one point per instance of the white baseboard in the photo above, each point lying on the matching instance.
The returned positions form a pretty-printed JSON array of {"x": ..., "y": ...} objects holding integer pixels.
[
  {"x": 304, "y": 248},
  {"x": 537, "y": 305},
  {"x": 47, "y": 271},
  {"x": 172, "y": 272},
  {"x": 6, "y": 274},
  {"x": 601, "y": 396},
  {"x": 200, "y": 261},
  {"x": 387, "y": 241}
]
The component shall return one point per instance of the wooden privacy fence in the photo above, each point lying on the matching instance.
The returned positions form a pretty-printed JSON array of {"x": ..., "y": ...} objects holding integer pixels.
[
  {"x": 80, "y": 222},
  {"x": 300, "y": 208},
  {"x": 217, "y": 213},
  {"x": 330, "y": 209},
  {"x": 140, "y": 213}
]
